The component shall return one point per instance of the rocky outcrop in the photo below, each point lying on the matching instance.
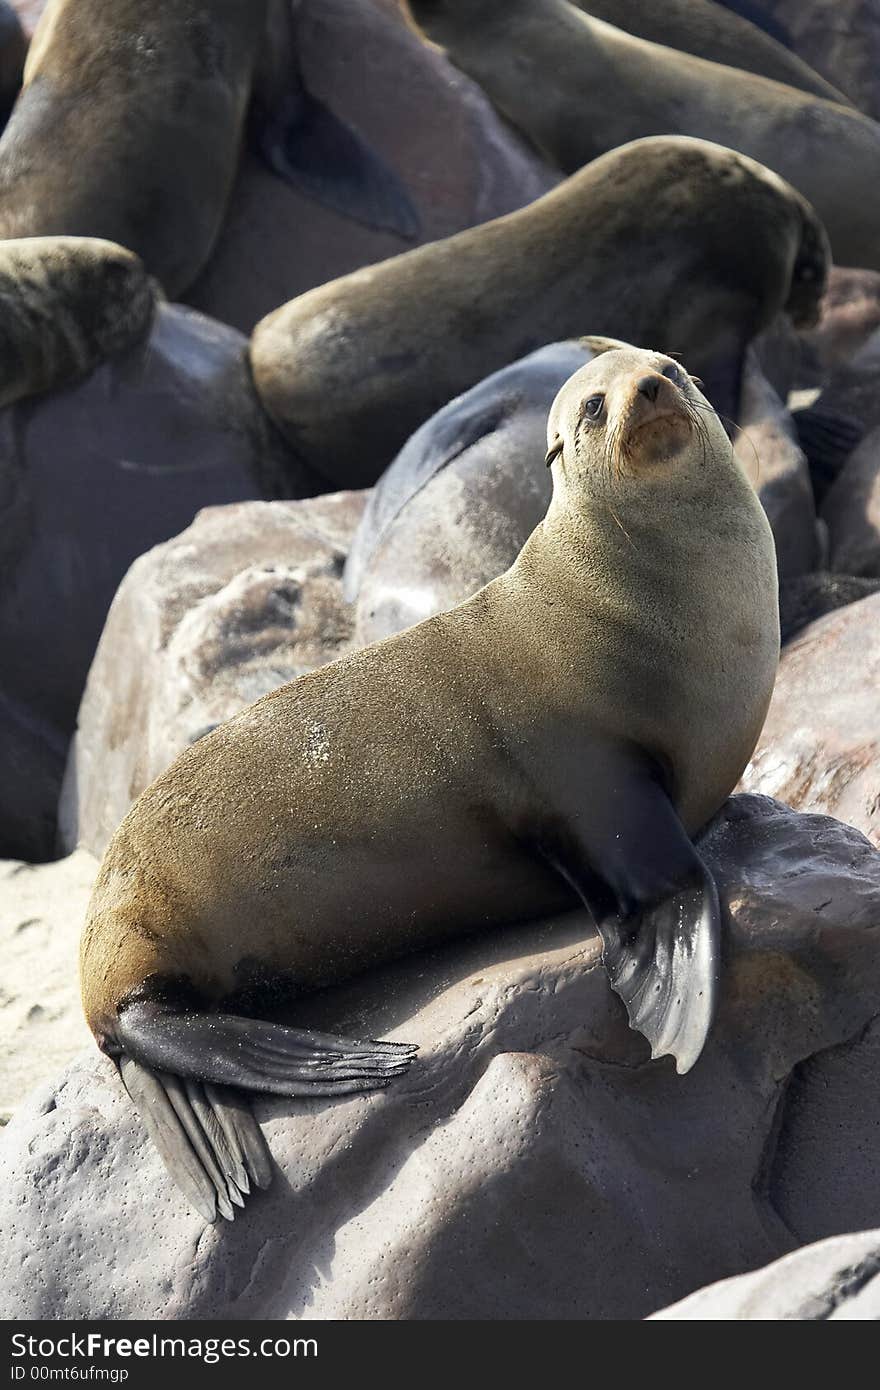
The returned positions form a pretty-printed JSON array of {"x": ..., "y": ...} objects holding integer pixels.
[
  {"x": 90, "y": 477},
  {"x": 820, "y": 746},
  {"x": 41, "y": 1023},
  {"x": 534, "y": 1163},
  {"x": 246, "y": 598},
  {"x": 834, "y": 1280}
]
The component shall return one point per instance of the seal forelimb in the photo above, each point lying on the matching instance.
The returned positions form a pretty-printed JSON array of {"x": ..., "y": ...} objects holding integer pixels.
[{"x": 654, "y": 902}]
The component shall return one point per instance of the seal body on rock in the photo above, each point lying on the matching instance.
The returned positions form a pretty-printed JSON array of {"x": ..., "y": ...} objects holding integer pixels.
[
  {"x": 608, "y": 87},
  {"x": 129, "y": 126},
  {"x": 557, "y": 738},
  {"x": 351, "y": 369},
  {"x": 463, "y": 494}
]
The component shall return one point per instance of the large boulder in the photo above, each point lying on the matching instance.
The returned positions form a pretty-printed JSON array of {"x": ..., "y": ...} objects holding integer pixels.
[
  {"x": 833, "y": 1280},
  {"x": 360, "y": 60},
  {"x": 246, "y": 598},
  {"x": 534, "y": 1163},
  {"x": 90, "y": 477},
  {"x": 820, "y": 746},
  {"x": 41, "y": 1022}
]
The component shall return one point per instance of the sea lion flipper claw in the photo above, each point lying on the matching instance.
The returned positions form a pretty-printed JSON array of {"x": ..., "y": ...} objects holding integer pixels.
[{"x": 320, "y": 155}]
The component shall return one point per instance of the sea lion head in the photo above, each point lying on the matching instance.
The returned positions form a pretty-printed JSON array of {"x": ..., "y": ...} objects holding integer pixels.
[{"x": 628, "y": 421}]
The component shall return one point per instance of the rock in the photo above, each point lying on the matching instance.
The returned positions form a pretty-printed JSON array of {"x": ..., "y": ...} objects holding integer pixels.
[
  {"x": 248, "y": 597},
  {"x": 41, "y": 1023},
  {"x": 839, "y": 38},
  {"x": 833, "y": 1279},
  {"x": 534, "y": 1164},
  {"x": 767, "y": 447},
  {"x": 90, "y": 477},
  {"x": 820, "y": 746},
  {"x": 851, "y": 511},
  {"x": 376, "y": 75}
]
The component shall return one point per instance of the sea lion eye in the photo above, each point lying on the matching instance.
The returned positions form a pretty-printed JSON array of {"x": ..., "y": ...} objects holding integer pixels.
[
  {"x": 675, "y": 374},
  {"x": 593, "y": 407}
]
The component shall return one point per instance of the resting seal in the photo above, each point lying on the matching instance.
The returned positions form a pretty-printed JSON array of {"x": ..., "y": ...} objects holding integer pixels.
[
  {"x": 351, "y": 369},
  {"x": 131, "y": 121},
  {"x": 703, "y": 28},
  {"x": 558, "y": 738},
  {"x": 578, "y": 87}
]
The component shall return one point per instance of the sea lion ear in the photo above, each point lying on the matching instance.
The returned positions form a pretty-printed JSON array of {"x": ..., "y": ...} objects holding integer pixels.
[
  {"x": 554, "y": 451},
  {"x": 599, "y": 345}
]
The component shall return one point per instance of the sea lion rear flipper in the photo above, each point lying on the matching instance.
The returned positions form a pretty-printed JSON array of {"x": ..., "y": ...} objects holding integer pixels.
[
  {"x": 304, "y": 142},
  {"x": 207, "y": 1137},
  {"x": 177, "y": 1068},
  {"x": 654, "y": 901}
]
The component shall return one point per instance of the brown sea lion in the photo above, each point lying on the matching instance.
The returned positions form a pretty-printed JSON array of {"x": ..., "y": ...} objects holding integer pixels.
[
  {"x": 559, "y": 737},
  {"x": 709, "y": 31},
  {"x": 608, "y": 87},
  {"x": 131, "y": 121},
  {"x": 665, "y": 240}
]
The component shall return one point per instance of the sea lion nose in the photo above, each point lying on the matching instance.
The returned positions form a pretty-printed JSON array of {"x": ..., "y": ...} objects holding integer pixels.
[{"x": 649, "y": 386}]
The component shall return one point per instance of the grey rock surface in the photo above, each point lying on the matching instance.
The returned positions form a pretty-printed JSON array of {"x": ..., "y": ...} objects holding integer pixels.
[
  {"x": 246, "y": 598},
  {"x": 90, "y": 477},
  {"x": 41, "y": 1022},
  {"x": 833, "y": 1280},
  {"x": 820, "y": 746},
  {"x": 534, "y": 1163}
]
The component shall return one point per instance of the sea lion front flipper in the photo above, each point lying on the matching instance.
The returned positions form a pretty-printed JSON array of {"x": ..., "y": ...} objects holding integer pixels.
[
  {"x": 304, "y": 142},
  {"x": 654, "y": 901},
  {"x": 663, "y": 963}
]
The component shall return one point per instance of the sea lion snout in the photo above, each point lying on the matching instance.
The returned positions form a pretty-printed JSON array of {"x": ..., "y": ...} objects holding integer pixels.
[{"x": 653, "y": 400}]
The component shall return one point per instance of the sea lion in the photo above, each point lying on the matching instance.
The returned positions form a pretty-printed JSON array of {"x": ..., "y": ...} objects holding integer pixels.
[
  {"x": 351, "y": 369},
  {"x": 465, "y": 492},
  {"x": 708, "y": 31},
  {"x": 68, "y": 303},
  {"x": 131, "y": 120},
  {"x": 840, "y": 38},
  {"x": 129, "y": 125},
  {"x": 609, "y": 87},
  {"x": 558, "y": 738}
]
